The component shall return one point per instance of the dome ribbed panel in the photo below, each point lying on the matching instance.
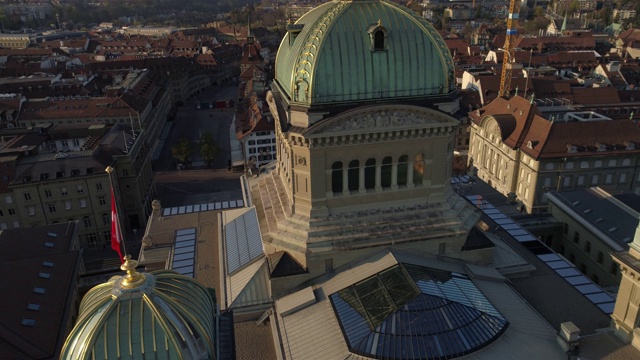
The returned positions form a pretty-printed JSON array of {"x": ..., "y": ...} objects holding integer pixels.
[
  {"x": 332, "y": 57},
  {"x": 152, "y": 321}
]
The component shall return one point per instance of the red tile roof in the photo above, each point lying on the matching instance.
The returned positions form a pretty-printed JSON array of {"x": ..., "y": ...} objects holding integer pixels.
[{"x": 522, "y": 125}]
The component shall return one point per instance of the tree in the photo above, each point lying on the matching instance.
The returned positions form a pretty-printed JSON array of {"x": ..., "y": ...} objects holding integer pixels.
[
  {"x": 573, "y": 7},
  {"x": 538, "y": 11},
  {"x": 182, "y": 150},
  {"x": 208, "y": 148}
]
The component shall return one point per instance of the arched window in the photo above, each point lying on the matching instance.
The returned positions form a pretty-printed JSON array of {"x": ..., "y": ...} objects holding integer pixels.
[
  {"x": 385, "y": 172},
  {"x": 370, "y": 174},
  {"x": 354, "y": 175},
  {"x": 378, "y": 40},
  {"x": 402, "y": 170},
  {"x": 336, "y": 177},
  {"x": 418, "y": 169}
]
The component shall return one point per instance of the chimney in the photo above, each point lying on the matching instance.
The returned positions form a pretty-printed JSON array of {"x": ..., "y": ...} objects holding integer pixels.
[{"x": 569, "y": 338}]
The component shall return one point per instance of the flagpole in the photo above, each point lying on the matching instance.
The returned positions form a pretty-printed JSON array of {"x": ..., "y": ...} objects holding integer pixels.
[{"x": 110, "y": 170}]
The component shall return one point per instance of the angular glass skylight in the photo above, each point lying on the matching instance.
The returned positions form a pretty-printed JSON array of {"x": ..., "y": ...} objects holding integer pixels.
[{"x": 413, "y": 312}]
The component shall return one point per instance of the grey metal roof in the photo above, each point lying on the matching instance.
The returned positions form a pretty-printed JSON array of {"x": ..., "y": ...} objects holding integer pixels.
[
  {"x": 313, "y": 331},
  {"x": 595, "y": 207},
  {"x": 562, "y": 267}
]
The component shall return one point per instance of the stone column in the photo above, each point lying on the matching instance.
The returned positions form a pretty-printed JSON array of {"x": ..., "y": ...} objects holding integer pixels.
[
  {"x": 394, "y": 175},
  {"x": 378, "y": 176},
  {"x": 345, "y": 181},
  {"x": 361, "y": 178}
]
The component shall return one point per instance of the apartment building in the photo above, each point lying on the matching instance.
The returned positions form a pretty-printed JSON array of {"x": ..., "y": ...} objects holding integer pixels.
[{"x": 58, "y": 175}]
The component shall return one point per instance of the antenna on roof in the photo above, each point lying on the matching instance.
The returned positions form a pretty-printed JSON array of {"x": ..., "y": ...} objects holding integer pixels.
[
  {"x": 133, "y": 131},
  {"x": 126, "y": 146}
]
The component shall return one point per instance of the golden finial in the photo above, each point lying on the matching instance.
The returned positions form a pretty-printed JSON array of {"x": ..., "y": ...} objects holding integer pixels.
[
  {"x": 290, "y": 21},
  {"x": 109, "y": 169},
  {"x": 379, "y": 22},
  {"x": 133, "y": 278}
]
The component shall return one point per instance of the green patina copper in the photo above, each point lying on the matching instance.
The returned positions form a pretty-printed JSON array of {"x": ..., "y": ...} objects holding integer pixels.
[
  {"x": 166, "y": 316},
  {"x": 415, "y": 61}
]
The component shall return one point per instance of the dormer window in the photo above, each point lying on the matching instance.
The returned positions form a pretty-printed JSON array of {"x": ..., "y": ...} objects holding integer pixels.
[
  {"x": 378, "y": 41},
  {"x": 378, "y": 36}
]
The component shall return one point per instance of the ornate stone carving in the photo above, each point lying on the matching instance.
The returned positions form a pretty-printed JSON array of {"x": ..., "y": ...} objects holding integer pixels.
[
  {"x": 380, "y": 119},
  {"x": 302, "y": 161}
]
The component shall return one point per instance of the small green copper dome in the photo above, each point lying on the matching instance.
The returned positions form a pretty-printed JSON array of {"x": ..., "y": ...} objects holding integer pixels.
[
  {"x": 161, "y": 315},
  {"x": 362, "y": 50}
]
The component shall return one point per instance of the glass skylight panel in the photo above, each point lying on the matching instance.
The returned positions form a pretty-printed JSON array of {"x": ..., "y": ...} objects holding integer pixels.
[
  {"x": 577, "y": 280},
  {"x": 243, "y": 241},
  {"x": 549, "y": 257},
  {"x": 491, "y": 211},
  {"x": 607, "y": 308},
  {"x": 525, "y": 238},
  {"x": 498, "y": 216},
  {"x": 598, "y": 298},
  {"x": 588, "y": 289},
  {"x": 189, "y": 209},
  {"x": 502, "y": 222},
  {"x": 28, "y": 322},
  {"x": 184, "y": 249},
  {"x": 518, "y": 232},
  {"x": 511, "y": 226},
  {"x": 423, "y": 325},
  {"x": 560, "y": 264},
  {"x": 568, "y": 272}
]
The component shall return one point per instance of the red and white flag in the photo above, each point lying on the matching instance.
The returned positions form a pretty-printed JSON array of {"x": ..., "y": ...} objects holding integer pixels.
[{"x": 116, "y": 237}]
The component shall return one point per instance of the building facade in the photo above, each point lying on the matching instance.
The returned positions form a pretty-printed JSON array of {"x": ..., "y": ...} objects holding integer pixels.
[
  {"x": 522, "y": 154},
  {"x": 364, "y": 143},
  {"x": 595, "y": 223}
]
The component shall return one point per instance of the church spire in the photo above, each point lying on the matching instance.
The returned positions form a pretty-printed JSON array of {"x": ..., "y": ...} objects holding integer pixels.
[
  {"x": 249, "y": 36},
  {"x": 564, "y": 23}
]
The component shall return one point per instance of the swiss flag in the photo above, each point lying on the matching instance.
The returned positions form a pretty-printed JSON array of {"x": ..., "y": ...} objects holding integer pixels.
[{"x": 116, "y": 237}]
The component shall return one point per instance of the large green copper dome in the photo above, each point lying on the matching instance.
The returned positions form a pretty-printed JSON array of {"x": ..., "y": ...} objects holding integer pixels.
[
  {"x": 157, "y": 315},
  {"x": 362, "y": 50}
]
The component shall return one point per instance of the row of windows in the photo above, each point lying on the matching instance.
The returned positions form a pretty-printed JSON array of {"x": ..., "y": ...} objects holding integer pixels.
[
  {"x": 10, "y": 211},
  {"x": 386, "y": 171},
  {"x": 63, "y": 191},
  {"x": 67, "y": 205},
  {"x": 92, "y": 238},
  {"x": 262, "y": 141},
  {"x": 262, "y": 149},
  {"x": 581, "y": 180}
]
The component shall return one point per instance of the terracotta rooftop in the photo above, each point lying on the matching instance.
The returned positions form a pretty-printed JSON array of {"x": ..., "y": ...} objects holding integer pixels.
[{"x": 522, "y": 124}]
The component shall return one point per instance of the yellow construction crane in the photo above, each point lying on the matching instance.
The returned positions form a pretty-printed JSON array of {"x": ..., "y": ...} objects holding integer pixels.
[{"x": 507, "y": 61}]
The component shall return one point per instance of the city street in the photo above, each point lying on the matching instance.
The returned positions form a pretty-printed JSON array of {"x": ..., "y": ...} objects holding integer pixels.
[{"x": 191, "y": 123}]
